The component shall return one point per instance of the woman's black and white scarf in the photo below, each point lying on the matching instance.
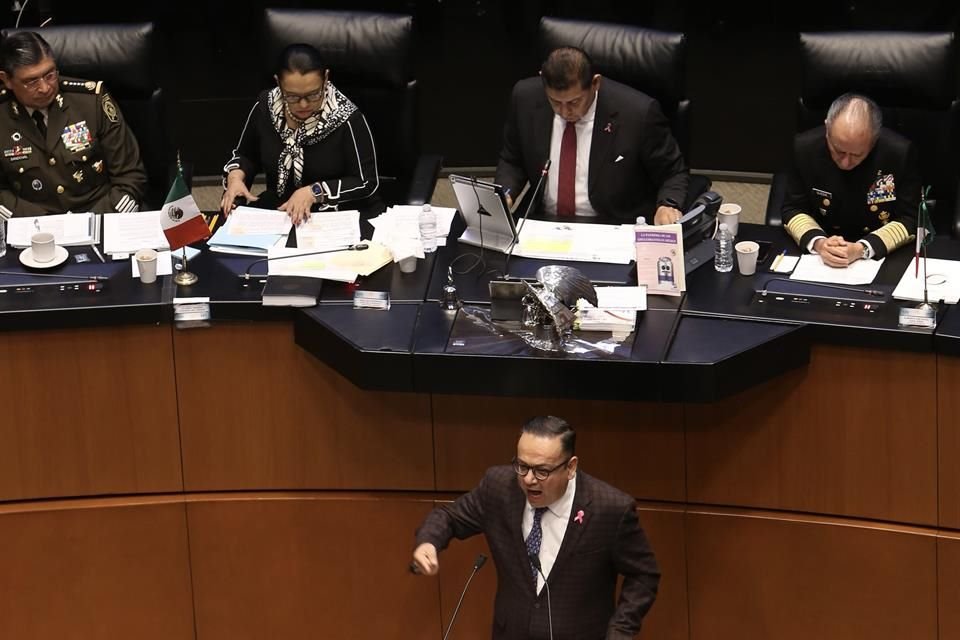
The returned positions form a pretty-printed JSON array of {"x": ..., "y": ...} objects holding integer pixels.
[{"x": 335, "y": 111}]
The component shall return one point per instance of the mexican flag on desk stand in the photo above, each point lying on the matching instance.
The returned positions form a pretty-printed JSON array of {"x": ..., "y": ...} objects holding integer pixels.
[
  {"x": 925, "y": 232},
  {"x": 181, "y": 220}
]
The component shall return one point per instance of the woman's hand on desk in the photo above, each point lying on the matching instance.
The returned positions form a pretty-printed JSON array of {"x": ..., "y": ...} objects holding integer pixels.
[
  {"x": 298, "y": 206},
  {"x": 236, "y": 188}
]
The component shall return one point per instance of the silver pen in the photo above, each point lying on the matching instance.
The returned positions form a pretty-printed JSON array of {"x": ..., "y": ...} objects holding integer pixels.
[{"x": 97, "y": 251}]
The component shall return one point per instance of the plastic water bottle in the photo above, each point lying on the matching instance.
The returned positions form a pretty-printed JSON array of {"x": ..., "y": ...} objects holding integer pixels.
[
  {"x": 723, "y": 254},
  {"x": 428, "y": 228},
  {"x": 641, "y": 222}
]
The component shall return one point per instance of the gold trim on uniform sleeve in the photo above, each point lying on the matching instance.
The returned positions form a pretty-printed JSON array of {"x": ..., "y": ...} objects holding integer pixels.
[
  {"x": 893, "y": 235},
  {"x": 800, "y": 224}
]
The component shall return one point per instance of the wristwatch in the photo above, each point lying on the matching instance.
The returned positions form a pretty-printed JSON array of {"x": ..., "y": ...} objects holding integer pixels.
[{"x": 318, "y": 194}]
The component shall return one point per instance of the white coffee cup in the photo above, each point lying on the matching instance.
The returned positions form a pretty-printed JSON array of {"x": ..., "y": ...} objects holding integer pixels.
[
  {"x": 43, "y": 247},
  {"x": 729, "y": 213},
  {"x": 408, "y": 264},
  {"x": 747, "y": 252},
  {"x": 146, "y": 265}
]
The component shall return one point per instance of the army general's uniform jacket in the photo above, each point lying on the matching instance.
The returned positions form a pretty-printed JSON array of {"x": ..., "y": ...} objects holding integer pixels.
[{"x": 89, "y": 159}]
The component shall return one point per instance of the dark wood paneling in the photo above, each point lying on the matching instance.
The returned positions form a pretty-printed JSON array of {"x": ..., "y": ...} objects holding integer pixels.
[
  {"x": 95, "y": 569},
  {"x": 309, "y": 567},
  {"x": 948, "y": 583},
  {"x": 770, "y": 577},
  {"x": 637, "y": 447},
  {"x": 88, "y": 411},
  {"x": 948, "y": 416},
  {"x": 257, "y": 412},
  {"x": 854, "y": 434}
]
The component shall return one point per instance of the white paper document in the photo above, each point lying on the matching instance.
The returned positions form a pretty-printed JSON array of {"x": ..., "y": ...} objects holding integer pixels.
[
  {"x": 128, "y": 232},
  {"x": 329, "y": 230},
  {"x": 308, "y": 266},
  {"x": 943, "y": 282},
  {"x": 812, "y": 269},
  {"x": 577, "y": 241},
  {"x": 68, "y": 229},
  {"x": 247, "y": 221},
  {"x": 622, "y": 298}
]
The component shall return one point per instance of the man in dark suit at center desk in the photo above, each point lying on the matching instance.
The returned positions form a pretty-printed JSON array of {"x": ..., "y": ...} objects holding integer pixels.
[
  {"x": 549, "y": 524},
  {"x": 613, "y": 155}
]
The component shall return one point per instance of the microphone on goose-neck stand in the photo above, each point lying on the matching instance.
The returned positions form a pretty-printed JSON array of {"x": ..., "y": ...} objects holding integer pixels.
[
  {"x": 535, "y": 561},
  {"x": 477, "y": 564},
  {"x": 526, "y": 214}
]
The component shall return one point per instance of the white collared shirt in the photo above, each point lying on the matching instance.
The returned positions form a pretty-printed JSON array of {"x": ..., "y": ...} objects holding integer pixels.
[
  {"x": 584, "y": 128},
  {"x": 553, "y": 522}
]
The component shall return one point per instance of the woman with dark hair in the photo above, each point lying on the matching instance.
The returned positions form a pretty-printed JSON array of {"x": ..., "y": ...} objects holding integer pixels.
[{"x": 310, "y": 140}]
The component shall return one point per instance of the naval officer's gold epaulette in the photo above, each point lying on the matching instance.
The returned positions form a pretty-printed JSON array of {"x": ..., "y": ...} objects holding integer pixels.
[{"x": 73, "y": 85}]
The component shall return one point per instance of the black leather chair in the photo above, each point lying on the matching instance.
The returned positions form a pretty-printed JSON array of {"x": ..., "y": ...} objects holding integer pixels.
[
  {"x": 650, "y": 61},
  {"x": 121, "y": 55},
  {"x": 912, "y": 76},
  {"x": 371, "y": 61}
]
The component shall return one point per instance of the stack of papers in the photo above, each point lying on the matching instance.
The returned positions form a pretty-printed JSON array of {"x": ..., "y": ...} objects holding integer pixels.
[
  {"x": 578, "y": 241},
  {"x": 398, "y": 228},
  {"x": 129, "y": 232},
  {"x": 329, "y": 230},
  {"x": 616, "y": 310},
  {"x": 342, "y": 266},
  {"x": 68, "y": 229},
  {"x": 251, "y": 232}
]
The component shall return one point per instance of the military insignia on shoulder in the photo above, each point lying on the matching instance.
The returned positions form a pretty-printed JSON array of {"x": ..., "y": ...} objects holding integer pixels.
[
  {"x": 883, "y": 189},
  {"x": 109, "y": 109},
  {"x": 79, "y": 86}
]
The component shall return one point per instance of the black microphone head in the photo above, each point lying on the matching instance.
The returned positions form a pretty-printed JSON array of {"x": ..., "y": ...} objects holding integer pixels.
[
  {"x": 480, "y": 561},
  {"x": 361, "y": 246}
]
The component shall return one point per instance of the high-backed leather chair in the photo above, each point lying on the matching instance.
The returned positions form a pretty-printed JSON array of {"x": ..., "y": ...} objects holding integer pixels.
[
  {"x": 650, "y": 61},
  {"x": 121, "y": 55},
  {"x": 370, "y": 60},
  {"x": 912, "y": 77}
]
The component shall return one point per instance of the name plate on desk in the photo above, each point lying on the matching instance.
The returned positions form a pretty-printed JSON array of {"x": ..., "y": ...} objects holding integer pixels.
[
  {"x": 925, "y": 318},
  {"x": 371, "y": 300},
  {"x": 191, "y": 312}
]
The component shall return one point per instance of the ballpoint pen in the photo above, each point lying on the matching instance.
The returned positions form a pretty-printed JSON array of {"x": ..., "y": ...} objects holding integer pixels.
[{"x": 97, "y": 251}]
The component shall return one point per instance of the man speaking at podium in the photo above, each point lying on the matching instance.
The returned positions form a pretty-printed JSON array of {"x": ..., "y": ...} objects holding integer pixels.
[{"x": 545, "y": 521}]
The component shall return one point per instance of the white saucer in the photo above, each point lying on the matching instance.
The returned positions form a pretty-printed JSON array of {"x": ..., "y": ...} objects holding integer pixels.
[{"x": 60, "y": 255}]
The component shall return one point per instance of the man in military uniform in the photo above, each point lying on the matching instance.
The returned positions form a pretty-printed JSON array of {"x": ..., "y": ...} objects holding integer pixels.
[
  {"x": 855, "y": 187},
  {"x": 64, "y": 142}
]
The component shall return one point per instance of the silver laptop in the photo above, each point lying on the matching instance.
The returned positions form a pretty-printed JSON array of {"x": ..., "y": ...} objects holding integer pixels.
[{"x": 485, "y": 212}]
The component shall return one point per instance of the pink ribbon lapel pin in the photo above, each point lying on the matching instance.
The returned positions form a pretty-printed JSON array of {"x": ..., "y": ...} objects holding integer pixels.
[
  {"x": 608, "y": 128},
  {"x": 579, "y": 517}
]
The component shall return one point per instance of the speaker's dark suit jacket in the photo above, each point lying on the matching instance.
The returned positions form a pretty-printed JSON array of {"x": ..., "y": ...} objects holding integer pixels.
[
  {"x": 635, "y": 163},
  {"x": 606, "y": 541}
]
